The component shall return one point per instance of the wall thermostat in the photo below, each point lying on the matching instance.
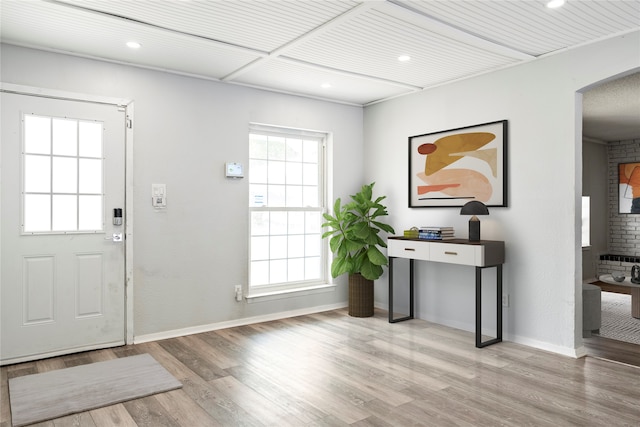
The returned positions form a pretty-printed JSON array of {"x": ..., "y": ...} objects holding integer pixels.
[{"x": 233, "y": 170}]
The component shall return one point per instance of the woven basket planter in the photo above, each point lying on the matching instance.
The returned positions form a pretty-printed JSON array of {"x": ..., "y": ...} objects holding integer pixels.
[{"x": 360, "y": 296}]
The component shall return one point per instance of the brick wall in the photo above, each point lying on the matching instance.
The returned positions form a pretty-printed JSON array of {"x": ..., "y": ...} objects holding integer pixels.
[{"x": 624, "y": 229}]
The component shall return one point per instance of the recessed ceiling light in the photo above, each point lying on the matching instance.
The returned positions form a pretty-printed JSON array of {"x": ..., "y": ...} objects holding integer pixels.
[
  {"x": 555, "y": 3},
  {"x": 134, "y": 45},
  {"x": 325, "y": 85},
  {"x": 404, "y": 58}
]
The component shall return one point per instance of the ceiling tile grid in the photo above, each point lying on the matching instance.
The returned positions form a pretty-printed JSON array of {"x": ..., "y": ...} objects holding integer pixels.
[
  {"x": 292, "y": 77},
  {"x": 370, "y": 44},
  {"x": 266, "y": 25},
  {"x": 47, "y": 25},
  {"x": 531, "y": 27},
  {"x": 294, "y": 46}
]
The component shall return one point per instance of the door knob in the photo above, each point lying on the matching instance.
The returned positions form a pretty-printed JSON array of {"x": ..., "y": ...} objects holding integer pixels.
[{"x": 115, "y": 237}]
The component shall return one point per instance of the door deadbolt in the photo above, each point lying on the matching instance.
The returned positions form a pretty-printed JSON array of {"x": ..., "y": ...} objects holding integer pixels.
[{"x": 117, "y": 216}]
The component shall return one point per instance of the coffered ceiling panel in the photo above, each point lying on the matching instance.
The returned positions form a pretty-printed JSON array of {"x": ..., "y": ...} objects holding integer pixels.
[
  {"x": 45, "y": 25},
  {"x": 292, "y": 77},
  {"x": 380, "y": 35},
  {"x": 294, "y": 46},
  {"x": 530, "y": 26},
  {"x": 261, "y": 25}
]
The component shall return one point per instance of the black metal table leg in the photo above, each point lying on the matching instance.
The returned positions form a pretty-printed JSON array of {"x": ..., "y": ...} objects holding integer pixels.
[
  {"x": 478, "y": 307},
  {"x": 499, "y": 300},
  {"x": 410, "y": 316},
  {"x": 479, "y": 342}
]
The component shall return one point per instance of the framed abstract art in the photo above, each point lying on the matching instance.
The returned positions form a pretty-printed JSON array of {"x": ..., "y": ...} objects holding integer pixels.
[
  {"x": 629, "y": 188},
  {"x": 452, "y": 167}
]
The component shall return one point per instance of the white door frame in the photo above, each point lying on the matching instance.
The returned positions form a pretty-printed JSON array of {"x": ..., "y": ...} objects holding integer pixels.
[{"x": 127, "y": 105}]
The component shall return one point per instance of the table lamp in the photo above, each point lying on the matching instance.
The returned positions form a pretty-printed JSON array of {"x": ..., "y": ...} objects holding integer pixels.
[{"x": 474, "y": 208}]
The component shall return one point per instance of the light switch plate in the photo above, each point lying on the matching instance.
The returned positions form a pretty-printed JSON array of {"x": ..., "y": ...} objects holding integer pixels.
[{"x": 159, "y": 195}]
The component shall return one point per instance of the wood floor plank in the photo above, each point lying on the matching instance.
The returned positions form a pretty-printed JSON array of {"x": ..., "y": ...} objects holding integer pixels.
[
  {"x": 5, "y": 407},
  {"x": 218, "y": 358},
  {"x": 329, "y": 369},
  {"x": 78, "y": 359},
  {"x": 299, "y": 372},
  {"x": 102, "y": 355},
  {"x": 114, "y": 415},
  {"x": 147, "y": 412},
  {"x": 548, "y": 401},
  {"x": 199, "y": 391},
  {"x": 304, "y": 379},
  {"x": 500, "y": 409},
  {"x": 468, "y": 355},
  {"x": 373, "y": 382},
  {"x": 372, "y": 421},
  {"x": 439, "y": 366},
  {"x": 278, "y": 392},
  {"x": 43, "y": 424},
  {"x": 253, "y": 402},
  {"x": 353, "y": 375},
  {"x": 184, "y": 410},
  {"x": 568, "y": 396},
  {"x": 185, "y": 353},
  {"x": 83, "y": 419},
  {"x": 315, "y": 329},
  {"x": 615, "y": 350},
  {"x": 402, "y": 375},
  {"x": 393, "y": 415},
  {"x": 46, "y": 365}
]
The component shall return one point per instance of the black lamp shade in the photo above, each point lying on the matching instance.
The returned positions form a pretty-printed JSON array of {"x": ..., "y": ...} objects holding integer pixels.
[{"x": 474, "y": 208}]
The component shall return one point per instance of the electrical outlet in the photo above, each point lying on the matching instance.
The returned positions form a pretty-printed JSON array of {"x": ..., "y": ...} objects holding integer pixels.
[
  {"x": 505, "y": 300},
  {"x": 238, "y": 291}
]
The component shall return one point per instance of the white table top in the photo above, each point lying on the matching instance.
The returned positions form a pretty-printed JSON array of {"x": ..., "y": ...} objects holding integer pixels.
[{"x": 607, "y": 278}]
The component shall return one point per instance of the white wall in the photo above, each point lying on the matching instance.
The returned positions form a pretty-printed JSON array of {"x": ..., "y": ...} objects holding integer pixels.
[
  {"x": 595, "y": 182},
  {"x": 541, "y": 225},
  {"x": 188, "y": 259}
]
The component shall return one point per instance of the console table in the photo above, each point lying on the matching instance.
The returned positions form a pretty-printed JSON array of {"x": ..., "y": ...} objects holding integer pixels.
[{"x": 481, "y": 255}]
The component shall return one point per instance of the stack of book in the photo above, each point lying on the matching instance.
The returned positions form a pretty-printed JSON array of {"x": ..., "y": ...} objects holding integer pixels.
[{"x": 436, "y": 233}]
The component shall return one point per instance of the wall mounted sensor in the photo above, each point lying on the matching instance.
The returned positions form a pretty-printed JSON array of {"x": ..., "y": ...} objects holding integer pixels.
[{"x": 233, "y": 170}]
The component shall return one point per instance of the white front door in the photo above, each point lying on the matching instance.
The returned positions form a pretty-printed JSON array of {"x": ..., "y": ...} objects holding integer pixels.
[{"x": 62, "y": 285}]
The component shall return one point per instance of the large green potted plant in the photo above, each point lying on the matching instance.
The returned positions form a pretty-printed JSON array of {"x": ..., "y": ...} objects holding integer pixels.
[{"x": 355, "y": 240}]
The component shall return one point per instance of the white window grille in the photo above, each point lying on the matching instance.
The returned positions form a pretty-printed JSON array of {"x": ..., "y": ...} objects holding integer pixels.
[
  {"x": 286, "y": 203},
  {"x": 62, "y": 185}
]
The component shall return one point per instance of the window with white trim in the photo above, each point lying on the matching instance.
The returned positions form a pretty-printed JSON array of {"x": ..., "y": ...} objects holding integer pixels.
[
  {"x": 586, "y": 221},
  {"x": 62, "y": 185},
  {"x": 286, "y": 203}
]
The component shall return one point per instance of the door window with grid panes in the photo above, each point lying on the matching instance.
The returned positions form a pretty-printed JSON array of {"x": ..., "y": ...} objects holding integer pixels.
[
  {"x": 62, "y": 163},
  {"x": 286, "y": 181}
]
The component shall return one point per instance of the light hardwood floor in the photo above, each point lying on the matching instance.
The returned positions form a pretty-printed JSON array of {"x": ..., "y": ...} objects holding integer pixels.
[
  {"x": 615, "y": 350},
  {"x": 329, "y": 369}
]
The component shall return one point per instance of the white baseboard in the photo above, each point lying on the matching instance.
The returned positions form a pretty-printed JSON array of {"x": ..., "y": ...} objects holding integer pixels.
[
  {"x": 233, "y": 323},
  {"x": 575, "y": 353}
]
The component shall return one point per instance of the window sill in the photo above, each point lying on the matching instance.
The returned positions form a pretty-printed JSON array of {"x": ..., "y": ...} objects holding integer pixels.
[{"x": 289, "y": 293}]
